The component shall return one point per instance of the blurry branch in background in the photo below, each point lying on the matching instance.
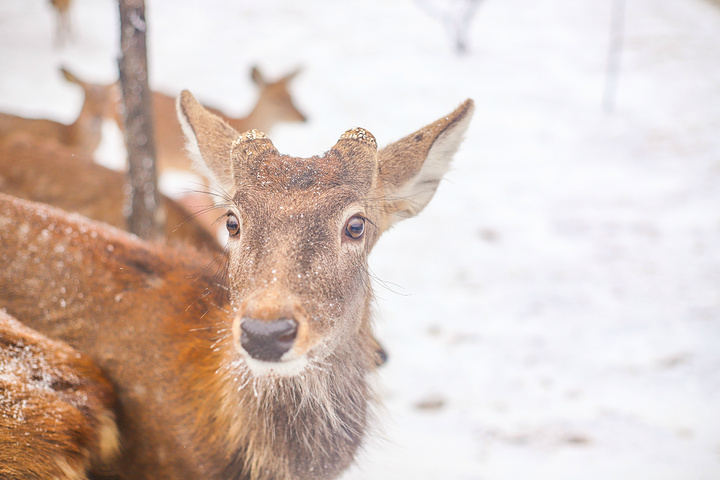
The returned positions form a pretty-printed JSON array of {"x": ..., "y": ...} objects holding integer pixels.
[
  {"x": 615, "y": 46},
  {"x": 63, "y": 23},
  {"x": 455, "y": 15},
  {"x": 145, "y": 214}
]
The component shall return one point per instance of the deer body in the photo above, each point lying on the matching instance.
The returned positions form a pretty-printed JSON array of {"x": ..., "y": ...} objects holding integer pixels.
[
  {"x": 85, "y": 133},
  {"x": 129, "y": 317},
  {"x": 46, "y": 386},
  {"x": 45, "y": 171},
  {"x": 144, "y": 318},
  {"x": 272, "y": 381}
]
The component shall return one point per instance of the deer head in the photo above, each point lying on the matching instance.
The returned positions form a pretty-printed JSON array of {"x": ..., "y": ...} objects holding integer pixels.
[
  {"x": 101, "y": 102},
  {"x": 275, "y": 103},
  {"x": 301, "y": 229}
]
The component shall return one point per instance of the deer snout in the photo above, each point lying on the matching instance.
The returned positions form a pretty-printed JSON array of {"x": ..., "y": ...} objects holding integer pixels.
[{"x": 268, "y": 340}]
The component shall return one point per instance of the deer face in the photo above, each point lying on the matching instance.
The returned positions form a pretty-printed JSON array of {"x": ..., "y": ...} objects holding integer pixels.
[
  {"x": 101, "y": 101},
  {"x": 301, "y": 229},
  {"x": 299, "y": 234}
]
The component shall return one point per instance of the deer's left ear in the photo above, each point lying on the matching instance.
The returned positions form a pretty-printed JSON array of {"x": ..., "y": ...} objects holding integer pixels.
[
  {"x": 411, "y": 168},
  {"x": 209, "y": 140}
]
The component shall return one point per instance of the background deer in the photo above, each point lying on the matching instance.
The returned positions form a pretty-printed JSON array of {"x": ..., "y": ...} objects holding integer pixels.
[
  {"x": 56, "y": 408},
  {"x": 274, "y": 105},
  {"x": 272, "y": 381},
  {"x": 85, "y": 133},
  {"x": 44, "y": 171}
]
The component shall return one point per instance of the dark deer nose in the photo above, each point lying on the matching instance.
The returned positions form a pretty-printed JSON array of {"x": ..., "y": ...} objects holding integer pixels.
[{"x": 268, "y": 340}]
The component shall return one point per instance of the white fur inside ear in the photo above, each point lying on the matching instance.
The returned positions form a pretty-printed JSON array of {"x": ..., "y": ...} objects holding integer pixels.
[
  {"x": 420, "y": 189},
  {"x": 192, "y": 148},
  {"x": 290, "y": 368}
]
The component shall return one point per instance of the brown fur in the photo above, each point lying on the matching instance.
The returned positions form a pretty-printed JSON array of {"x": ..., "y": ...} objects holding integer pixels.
[
  {"x": 56, "y": 408},
  {"x": 192, "y": 402},
  {"x": 47, "y": 172}
]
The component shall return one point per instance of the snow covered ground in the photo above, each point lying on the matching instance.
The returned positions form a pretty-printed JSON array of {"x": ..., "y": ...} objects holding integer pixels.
[{"x": 555, "y": 312}]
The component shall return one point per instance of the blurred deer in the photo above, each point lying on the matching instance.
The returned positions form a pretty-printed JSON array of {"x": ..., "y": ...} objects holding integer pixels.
[
  {"x": 56, "y": 408},
  {"x": 85, "y": 133},
  {"x": 274, "y": 105},
  {"x": 44, "y": 171},
  {"x": 273, "y": 380}
]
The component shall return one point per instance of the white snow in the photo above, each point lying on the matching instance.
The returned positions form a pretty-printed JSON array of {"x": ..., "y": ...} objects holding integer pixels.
[{"x": 556, "y": 308}]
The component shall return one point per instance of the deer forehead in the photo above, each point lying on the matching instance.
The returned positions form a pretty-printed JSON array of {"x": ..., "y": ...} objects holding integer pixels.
[
  {"x": 270, "y": 174},
  {"x": 293, "y": 238},
  {"x": 297, "y": 228}
]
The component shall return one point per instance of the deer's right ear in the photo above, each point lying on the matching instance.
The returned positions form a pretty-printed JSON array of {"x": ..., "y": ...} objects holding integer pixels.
[{"x": 209, "y": 140}]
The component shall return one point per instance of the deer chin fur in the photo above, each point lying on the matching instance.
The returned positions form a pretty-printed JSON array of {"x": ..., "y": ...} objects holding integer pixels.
[
  {"x": 303, "y": 426},
  {"x": 283, "y": 368}
]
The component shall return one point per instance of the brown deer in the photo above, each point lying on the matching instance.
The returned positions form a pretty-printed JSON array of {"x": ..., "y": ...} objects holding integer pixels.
[
  {"x": 274, "y": 381},
  {"x": 45, "y": 171},
  {"x": 85, "y": 133},
  {"x": 274, "y": 105},
  {"x": 56, "y": 408}
]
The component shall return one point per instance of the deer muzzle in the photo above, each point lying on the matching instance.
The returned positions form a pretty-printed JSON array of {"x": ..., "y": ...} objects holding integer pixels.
[{"x": 268, "y": 340}]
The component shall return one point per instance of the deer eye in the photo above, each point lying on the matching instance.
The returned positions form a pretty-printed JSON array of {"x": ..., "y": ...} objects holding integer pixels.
[
  {"x": 355, "y": 227},
  {"x": 233, "y": 224}
]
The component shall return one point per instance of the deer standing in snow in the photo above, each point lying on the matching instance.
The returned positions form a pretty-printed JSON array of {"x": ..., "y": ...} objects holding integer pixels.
[{"x": 272, "y": 381}]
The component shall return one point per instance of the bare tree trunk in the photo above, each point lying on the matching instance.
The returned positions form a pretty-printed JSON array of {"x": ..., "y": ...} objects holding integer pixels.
[
  {"x": 145, "y": 214},
  {"x": 456, "y": 16}
]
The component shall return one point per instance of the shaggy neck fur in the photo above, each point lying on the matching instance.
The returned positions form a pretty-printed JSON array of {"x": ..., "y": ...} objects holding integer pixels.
[{"x": 304, "y": 427}]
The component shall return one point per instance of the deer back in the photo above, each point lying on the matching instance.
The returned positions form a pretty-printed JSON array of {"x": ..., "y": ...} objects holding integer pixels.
[
  {"x": 141, "y": 312},
  {"x": 45, "y": 171},
  {"x": 57, "y": 415}
]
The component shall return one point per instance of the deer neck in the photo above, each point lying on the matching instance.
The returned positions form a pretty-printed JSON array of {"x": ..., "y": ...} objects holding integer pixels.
[
  {"x": 294, "y": 427},
  {"x": 86, "y": 131}
]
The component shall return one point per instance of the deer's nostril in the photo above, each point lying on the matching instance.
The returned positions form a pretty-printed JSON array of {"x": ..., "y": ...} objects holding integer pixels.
[{"x": 268, "y": 340}]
